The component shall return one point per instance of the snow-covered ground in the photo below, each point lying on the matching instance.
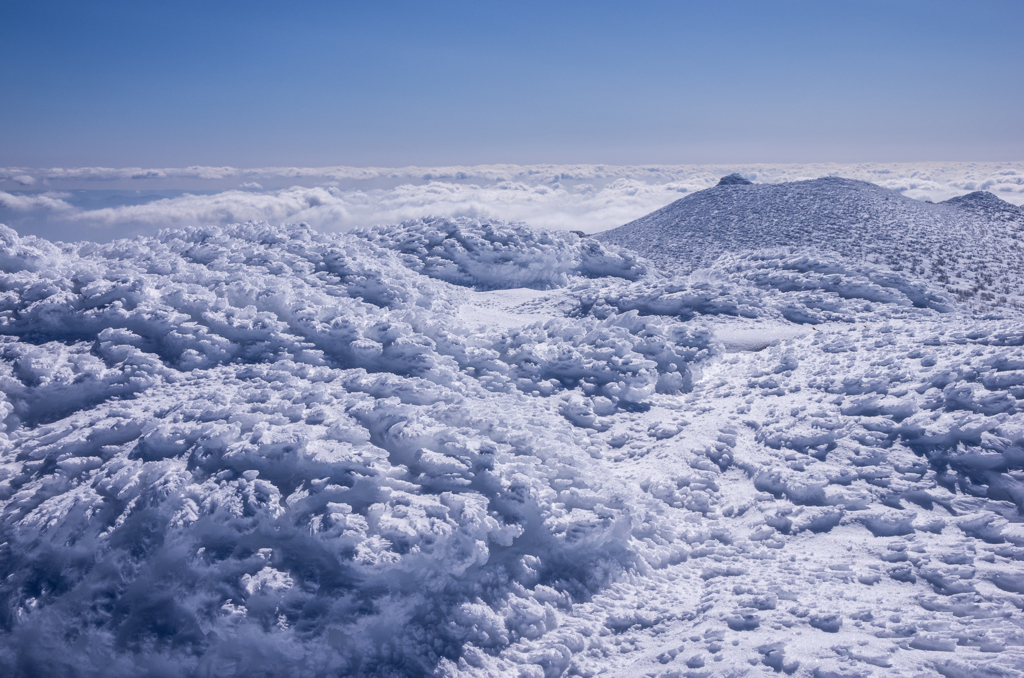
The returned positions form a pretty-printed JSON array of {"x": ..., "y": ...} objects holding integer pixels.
[
  {"x": 465, "y": 448},
  {"x": 971, "y": 245}
]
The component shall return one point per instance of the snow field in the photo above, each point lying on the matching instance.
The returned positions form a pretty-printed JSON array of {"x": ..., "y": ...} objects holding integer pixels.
[
  {"x": 852, "y": 521},
  {"x": 270, "y": 451}
]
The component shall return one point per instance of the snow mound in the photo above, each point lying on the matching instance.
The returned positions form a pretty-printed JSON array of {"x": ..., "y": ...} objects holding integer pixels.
[
  {"x": 969, "y": 246},
  {"x": 501, "y": 255},
  {"x": 785, "y": 284}
]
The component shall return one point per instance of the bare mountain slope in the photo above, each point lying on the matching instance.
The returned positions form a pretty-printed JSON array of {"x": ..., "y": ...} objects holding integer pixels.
[{"x": 971, "y": 245}]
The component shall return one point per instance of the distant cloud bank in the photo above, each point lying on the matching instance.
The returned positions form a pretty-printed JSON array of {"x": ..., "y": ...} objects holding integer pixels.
[{"x": 98, "y": 203}]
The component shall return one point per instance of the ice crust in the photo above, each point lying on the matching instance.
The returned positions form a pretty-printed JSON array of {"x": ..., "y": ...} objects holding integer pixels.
[{"x": 268, "y": 451}]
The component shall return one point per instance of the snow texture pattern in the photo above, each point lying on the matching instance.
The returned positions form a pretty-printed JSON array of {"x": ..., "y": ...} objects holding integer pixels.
[{"x": 469, "y": 448}]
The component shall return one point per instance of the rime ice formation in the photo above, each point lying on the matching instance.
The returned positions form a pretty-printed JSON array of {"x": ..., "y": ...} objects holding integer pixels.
[
  {"x": 465, "y": 448},
  {"x": 973, "y": 246}
]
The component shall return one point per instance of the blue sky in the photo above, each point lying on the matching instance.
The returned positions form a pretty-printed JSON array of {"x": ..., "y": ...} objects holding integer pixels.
[{"x": 255, "y": 83}]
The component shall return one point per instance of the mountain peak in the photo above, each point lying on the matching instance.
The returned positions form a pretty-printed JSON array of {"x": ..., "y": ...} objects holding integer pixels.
[
  {"x": 852, "y": 219},
  {"x": 982, "y": 200}
]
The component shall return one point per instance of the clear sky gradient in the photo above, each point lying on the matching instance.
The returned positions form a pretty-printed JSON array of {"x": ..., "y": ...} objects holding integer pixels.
[{"x": 255, "y": 83}]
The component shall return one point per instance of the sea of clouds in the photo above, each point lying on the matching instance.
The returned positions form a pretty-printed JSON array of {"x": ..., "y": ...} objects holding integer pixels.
[{"x": 102, "y": 204}]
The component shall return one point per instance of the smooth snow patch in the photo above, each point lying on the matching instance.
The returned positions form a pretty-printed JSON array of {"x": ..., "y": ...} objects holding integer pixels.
[
  {"x": 736, "y": 337},
  {"x": 506, "y": 309}
]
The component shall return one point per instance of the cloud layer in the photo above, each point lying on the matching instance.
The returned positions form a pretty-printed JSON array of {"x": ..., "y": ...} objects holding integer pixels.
[{"x": 61, "y": 202}]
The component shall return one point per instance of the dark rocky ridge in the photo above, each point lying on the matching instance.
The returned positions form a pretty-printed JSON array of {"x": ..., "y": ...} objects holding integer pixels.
[{"x": 734, "y": 179}]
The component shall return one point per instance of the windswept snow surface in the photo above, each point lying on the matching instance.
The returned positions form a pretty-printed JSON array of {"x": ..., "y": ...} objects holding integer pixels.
[
  {"x": 973, "y": 245},
  {"x": 470, "y": 448}
]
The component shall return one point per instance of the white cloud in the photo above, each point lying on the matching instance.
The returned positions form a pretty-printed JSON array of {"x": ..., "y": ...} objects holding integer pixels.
[
  {"x": 232, "y": 206},
  {"x": 35, "y": 201},
  {"x": 998, "y": 177},
  {"x": 330, "y": 208}
]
